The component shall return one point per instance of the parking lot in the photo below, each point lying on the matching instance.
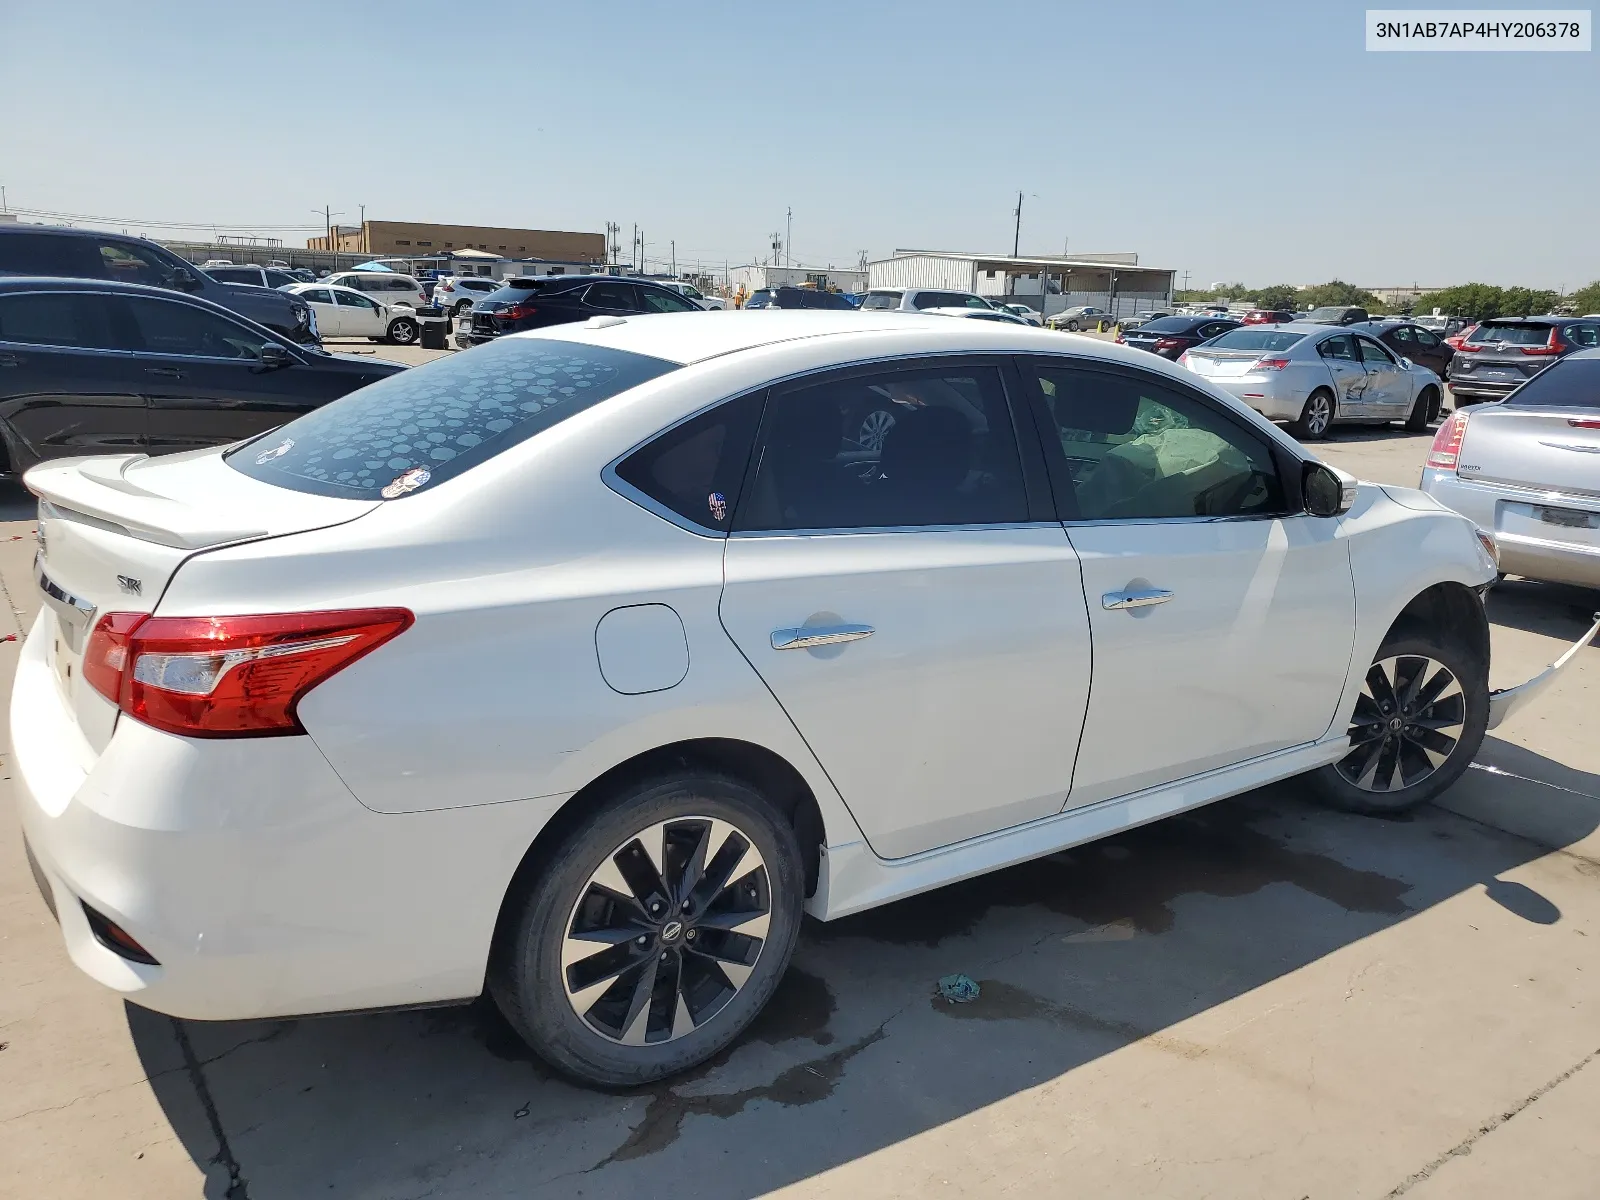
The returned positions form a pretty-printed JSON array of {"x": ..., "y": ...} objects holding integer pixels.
[{"x": 1263, "y": 998}]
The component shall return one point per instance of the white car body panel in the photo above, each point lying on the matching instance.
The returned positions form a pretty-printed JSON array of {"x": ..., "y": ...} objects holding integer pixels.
[
  {"x": 363, "y": 864},
  {"x": 1224, "y": 672},
  {"x": 979, "y": 660}
]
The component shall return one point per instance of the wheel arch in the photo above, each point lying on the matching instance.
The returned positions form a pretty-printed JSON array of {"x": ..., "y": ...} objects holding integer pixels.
[
  {"x": 773, "y": 775},
  {"x": 1448, "y": 606}
]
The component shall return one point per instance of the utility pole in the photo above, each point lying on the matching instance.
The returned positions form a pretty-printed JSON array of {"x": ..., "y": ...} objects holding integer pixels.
[
  {"x": 366, "y": 245},
  {"x": 674, "y": 258},
  {"x": 644, "y": 263},
  {"x": 1016, "y": 241},
  {"x": 1186, "y": 281},
  {"x": 633, "y": 250},
  {"x": 788, "y": 236},
  {"x": 613, "y": 247},
  {"x": 3, "y": 207},
  {"x": 777, "y": 247}
]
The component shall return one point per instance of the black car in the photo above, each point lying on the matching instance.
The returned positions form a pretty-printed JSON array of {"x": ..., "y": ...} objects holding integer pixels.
[
  {"x": 91, "y": 254},
  {"x": 1421, "y": 346},
  {"x": 1171, "y": 336},
  {"x": 1502, "y": 353},
  {"x": 97, "y": 367},
  {"x": 794, "y": 297},
  {"x": 533, "y": 303}
]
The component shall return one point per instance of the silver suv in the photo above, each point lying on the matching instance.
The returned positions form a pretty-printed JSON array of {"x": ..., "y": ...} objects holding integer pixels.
[{"x": 918, "y": 299}]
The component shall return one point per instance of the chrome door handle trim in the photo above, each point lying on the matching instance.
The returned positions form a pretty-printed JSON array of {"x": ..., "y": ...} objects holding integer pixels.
[
  {"x": 804, "y": 638},
  {"x": 1117, "y": 601}
]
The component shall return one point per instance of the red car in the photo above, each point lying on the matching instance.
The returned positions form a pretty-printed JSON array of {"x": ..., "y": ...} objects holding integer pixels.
[
  {"x": 1454, "y": 340},
  {"x": 1267, "y": 316}
]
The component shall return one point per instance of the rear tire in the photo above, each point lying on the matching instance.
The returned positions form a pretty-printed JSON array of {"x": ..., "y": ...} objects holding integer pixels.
[
  {"x": 1420, "y": 719},
  {"x": 725, "y": 946},
  {"x": 462, "y": 308},
  {"x": 1316, "y": 418},
  {"x": 1072, "y": 327},
  {"x": 1422, "y": 411}
]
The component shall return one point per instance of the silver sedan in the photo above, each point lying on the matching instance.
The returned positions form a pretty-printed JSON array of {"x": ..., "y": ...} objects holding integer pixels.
[
  {"x": 1312, "y": 376},
  {"x": 1525, "y": 468}
]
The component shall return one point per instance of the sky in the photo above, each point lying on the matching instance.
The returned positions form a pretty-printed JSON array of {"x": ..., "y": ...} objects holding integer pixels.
[{"x": 1243, "y": 141}]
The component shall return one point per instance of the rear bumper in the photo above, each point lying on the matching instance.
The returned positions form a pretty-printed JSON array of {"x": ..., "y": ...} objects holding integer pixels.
[
  {"x": 1526, "y": 550},
  {"x": 247, "y": 869},
  {"x": 1263, "y": 394},
  {"x": 1483, "y": 389}
]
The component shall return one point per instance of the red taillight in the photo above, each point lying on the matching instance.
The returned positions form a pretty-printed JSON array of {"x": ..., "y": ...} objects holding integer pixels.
[
  {"x": 228, "y": 676},
  {"x": 1120, "y": 339},
  {"x": 1168, "y": 343},
  {"x": 1446, "y": 448},
  {"x": 516, "y": 312},
  {"x": 1270, "y": 364},
  {"x": 1584, "y": 422},
  {"x": 1183, "y": 359}
]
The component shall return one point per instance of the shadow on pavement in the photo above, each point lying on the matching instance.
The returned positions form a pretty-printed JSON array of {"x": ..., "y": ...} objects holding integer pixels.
[
  {"x": 16, "y": 502},
  {"x": 1079, "y": 954},
  {"x": 1556, "y": 610}
]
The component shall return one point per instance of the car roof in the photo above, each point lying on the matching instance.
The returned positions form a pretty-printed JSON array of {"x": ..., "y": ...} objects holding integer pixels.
[
  {"x": 65, "y": 283},
  {"x": 687, "y": 338},
  {"x": 68, "y": 231}
]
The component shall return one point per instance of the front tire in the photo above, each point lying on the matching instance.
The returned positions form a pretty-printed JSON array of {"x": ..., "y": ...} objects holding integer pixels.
[
  {"x": 462, "y": 308},
  {"x": 1420, "y": 718},
  {"x": 654, "y": 933},
  {"x": 1072, "y": 327},
  {"x": 1422, "y": 411},
  {"x": 1316, "y": 418},
  {"x": 403, "y": 331}
]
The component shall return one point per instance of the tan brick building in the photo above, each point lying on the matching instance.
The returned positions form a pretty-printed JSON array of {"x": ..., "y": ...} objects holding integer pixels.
[{"x": 413, "y": 239}]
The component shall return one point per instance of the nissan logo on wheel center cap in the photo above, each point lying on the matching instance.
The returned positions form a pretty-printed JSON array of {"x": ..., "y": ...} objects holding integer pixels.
[{"x": 672, "y": 931}]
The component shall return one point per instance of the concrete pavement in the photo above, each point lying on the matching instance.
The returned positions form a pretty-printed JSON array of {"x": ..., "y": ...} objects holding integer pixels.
[{"x": 1260, "y": 999}]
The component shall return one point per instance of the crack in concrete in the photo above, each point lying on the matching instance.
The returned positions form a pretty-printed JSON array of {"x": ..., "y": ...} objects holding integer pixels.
[
  {"x": 238, "y": 1186},
  {"x": 1464, "y": 1146}
]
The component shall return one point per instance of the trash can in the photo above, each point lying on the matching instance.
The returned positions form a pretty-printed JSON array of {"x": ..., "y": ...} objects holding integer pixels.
[{"x": 435, "y": 328}]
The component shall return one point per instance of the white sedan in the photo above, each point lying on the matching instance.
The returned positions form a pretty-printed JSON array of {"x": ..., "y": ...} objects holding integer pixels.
[
  {"x": 1313, "y": 377},
  {"x": 579, "y": 667},
  {"x": 346, "y": 313}
]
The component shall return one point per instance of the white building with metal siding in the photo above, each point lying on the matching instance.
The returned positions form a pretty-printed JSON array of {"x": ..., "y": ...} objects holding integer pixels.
[
  {"x": 755, "y": 276},
  {"x": 1115, "y": 282}
]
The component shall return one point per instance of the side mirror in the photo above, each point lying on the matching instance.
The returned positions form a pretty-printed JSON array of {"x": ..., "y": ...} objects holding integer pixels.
[
  {"x": 1406, "y": 363},
  {"x": 183, "y": 279},
  {"x": 1327, "y": 491},
  {"x": 274, "y": 357}
]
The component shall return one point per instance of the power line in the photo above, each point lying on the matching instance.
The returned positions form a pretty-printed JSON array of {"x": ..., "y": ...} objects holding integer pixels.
[{"x": 64, "y": 216}]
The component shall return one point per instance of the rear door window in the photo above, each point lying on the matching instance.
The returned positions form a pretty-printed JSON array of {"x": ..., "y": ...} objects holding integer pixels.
[
  {"x": 661, "y": 300},
  {"x": 891, "y": 448},
  {"x": 695, "y": 469},
  {"x": 416, "y": 429},
  {"x": 49, "y": 254},
  {"x": 613, "y": 297},
  {"x": 1342, "y": 348},
  {"x": 63, "y": 319},
  {"x": 1583, "y": 335}
]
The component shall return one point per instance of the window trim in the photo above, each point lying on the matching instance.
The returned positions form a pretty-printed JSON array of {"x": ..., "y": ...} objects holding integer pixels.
[
  {"x": 1289, "y": 465},
  {"x": 211, "y": 358},
  {"x": 1000, "y": 364},
  {"x": 1393, "y": 358}
]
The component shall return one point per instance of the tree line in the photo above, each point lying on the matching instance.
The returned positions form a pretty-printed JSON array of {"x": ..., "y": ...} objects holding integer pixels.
[{"x": 1474, "y": 301}]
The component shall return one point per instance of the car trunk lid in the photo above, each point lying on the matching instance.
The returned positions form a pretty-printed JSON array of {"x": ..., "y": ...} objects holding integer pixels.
[
  {"x": 114, "y": 530},
  {"x": 1222, "y": 364},
  {"x": 1553, "y": 449}
]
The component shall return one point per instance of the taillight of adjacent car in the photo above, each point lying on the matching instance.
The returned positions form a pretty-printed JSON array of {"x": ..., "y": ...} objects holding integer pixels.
[
  {"x": 228, "y": 676},
  {"x": 1446, "y": 449},
  {"x": 1552, "y": 344},
  {"x": 1270, "y": 364},
  {"x": 517, "y": 312}
]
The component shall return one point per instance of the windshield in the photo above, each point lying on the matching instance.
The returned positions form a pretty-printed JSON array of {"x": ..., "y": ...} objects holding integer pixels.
[
  {"x": 1254, "y": 339},
  {"x": 1520, "y": 334},
  {"x": 433, "y": 422},
  {"x": 1568, "y": 383},
  {"x": 876, "y": 300}
]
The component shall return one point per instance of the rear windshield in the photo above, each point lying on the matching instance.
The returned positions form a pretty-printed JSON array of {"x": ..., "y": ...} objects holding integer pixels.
[
  {"x": 1254, "y": 339},
  {"x": 433, "y": 422},
  {"x": 881, "y": 300},
  {"x": 1522, "y": 333},
  {"x": 1169, "y": 325},
  {"x": 1566, "y": 383}
]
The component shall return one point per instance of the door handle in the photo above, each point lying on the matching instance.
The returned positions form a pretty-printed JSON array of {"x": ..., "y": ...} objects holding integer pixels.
[
  {"x": 10, "y": 360},
  {"x": 1142, "y": 598},
  {"x": 164, "y": 372},
  {"x": 806, "y": 637}
]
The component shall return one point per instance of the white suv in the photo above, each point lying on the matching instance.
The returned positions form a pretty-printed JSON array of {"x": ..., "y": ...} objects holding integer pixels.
[
  {"x": 386, "y": 287},
  {"x": 456, "y": 294},
  {"x": 920, "y": 299},
  {"x": 689, "y": 292}
]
